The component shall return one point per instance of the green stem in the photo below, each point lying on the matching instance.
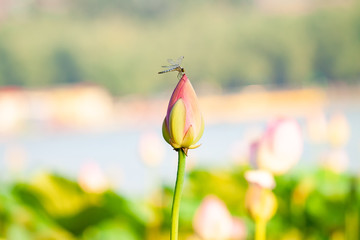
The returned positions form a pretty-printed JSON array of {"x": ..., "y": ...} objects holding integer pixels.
[
  {"x": 352, "y": 215},
  {"x": 177, "y": 196},
  {"x": 351, "y": 225},
  {"x": 260, "y": 229}
]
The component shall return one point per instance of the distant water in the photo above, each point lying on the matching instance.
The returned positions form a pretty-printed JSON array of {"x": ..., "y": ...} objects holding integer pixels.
[{"x": 117, "y": 152}]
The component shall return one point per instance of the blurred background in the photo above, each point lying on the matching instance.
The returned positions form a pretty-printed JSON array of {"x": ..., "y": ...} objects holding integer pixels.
[{"x": 82, "y": 105}]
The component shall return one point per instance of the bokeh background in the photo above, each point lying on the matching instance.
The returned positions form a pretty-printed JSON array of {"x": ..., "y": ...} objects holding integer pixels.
[{"x": 81, "y": 109}]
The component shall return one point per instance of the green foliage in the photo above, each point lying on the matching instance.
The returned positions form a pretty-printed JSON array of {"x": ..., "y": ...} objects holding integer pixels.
[
  {"x": 52, "y": 207},
  {"x": 311, "y": 205}
]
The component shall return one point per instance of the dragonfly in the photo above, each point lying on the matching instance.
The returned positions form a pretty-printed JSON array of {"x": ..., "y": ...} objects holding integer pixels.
[{"x": 174, "y": 66}]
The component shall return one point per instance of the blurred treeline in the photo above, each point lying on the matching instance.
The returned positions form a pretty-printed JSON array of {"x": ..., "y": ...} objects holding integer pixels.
[{"x": 227, "y": 44}]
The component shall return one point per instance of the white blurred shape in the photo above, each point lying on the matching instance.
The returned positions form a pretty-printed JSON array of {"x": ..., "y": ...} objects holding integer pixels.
[
  {"x": 15, "y": 158},
  {"x": 317, "y": 127},
  {"x": 262, "y": 178},
  {"x": 12, "y": 109},
  {"x": 151, "y": 149},
  {"x": 338, "y": 130},
  {"x": 335, "y": 160},
  {"x": 191, "y": 161},
  {"x": 92, "y": 179}
]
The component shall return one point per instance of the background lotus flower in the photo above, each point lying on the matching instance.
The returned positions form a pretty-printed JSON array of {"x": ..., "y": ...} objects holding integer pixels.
[
  {"x": 212, "y": 220},
  {"x": 260, "y": 202},
  {"x": 260, "y": 177},
  {"x": 280, "y": 147},
  {"x": 239, "y": 229},
  {"x": 183, "y": 125}
]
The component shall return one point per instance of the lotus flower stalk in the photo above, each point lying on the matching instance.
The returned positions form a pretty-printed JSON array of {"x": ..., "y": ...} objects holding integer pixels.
[{"x": 182, "y": 128}]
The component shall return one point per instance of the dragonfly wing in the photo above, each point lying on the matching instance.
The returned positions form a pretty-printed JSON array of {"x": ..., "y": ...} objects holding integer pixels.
[
  {"x": 172, "y": 62},
  {"x": 179, "y": 60},
  {"x": 169, "y": 66}
]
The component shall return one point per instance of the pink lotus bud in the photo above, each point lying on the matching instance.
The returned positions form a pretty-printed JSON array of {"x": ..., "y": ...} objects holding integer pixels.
[
  {"x": 183, "y": 125},
  {"x": 212, "y": 220},
  {"x": 281, "y": 146}
]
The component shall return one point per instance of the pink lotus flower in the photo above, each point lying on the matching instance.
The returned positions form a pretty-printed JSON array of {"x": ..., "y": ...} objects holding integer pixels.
[
  {"x": 280, "y": 147},
  {"x": 183, "y": 125},
  {"x": 212, "y": 220},
  {"x": 239, "y": 229}
]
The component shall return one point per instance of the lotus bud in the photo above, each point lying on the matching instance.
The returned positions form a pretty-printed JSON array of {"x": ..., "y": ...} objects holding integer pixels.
[
  {"x": 260, "y": 202},
  {"x": 183, "y": 125}
]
